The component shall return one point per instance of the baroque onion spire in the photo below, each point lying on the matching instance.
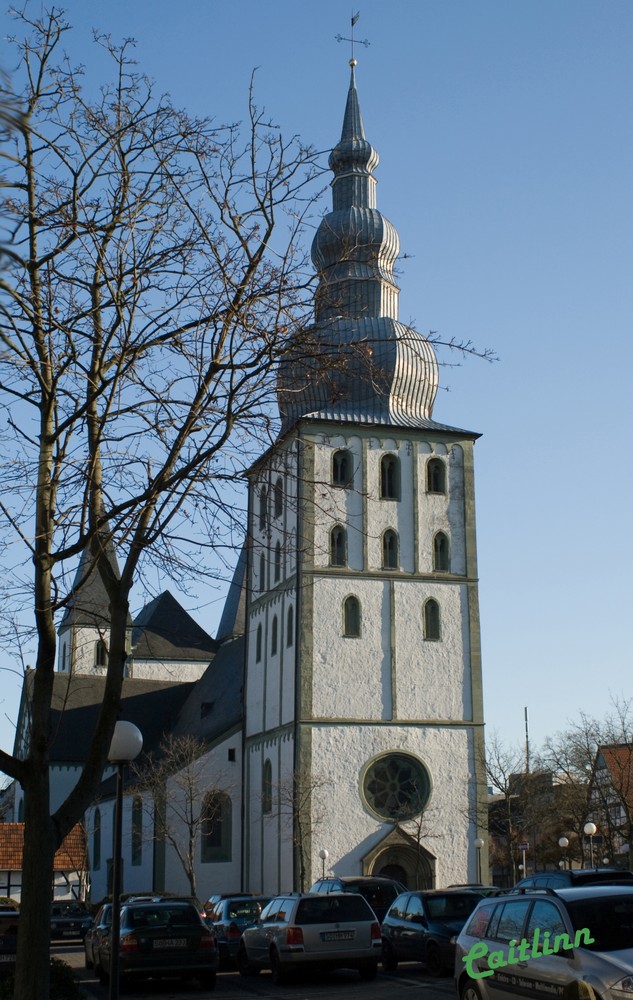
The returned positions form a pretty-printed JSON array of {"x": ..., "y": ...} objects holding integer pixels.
[{"x": 358, "y": 363}]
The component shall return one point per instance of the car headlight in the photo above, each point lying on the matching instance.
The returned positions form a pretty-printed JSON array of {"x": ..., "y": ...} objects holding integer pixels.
[{"x": 624, "y": 986}]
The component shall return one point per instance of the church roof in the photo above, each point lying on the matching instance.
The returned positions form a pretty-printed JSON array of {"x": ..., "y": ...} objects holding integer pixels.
[
  {"x": 233, "y": 620},
  {"x": 89, "y": 603},
  {"x": 165, "y": 631},
  {"x": 358, "y": 362},
  {"x": 151, "y": 705},
  {"x": 214, "y": 706}
]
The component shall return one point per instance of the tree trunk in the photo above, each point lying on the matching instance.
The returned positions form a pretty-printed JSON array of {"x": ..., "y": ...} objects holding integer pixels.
[{"x": 33, "y": 964}]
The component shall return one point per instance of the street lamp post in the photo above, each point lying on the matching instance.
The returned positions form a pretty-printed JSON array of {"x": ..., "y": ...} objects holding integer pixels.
[
  {"x": 126, "y": 745},
  {"x": 590, "y": 830},
  {"x": 479, "y": 844},
  {"x": 563, "y": 843},
  {"x": 324, "y": 855}
]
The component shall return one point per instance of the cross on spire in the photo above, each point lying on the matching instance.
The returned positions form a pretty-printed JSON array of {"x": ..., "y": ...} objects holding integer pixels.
[{"x": 354, "y": 41}]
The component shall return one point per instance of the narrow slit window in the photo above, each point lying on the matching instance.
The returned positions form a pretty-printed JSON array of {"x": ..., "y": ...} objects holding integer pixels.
[
  {"x": 278, "y": 497},
  {"x": 390, "y": 477},
  {"x": 390, "y": 554},
  {"x": 274, "y": 636},
  {"x": 277, "y": 562},
  {"x": 351, "y": 617},
  {"x": 338, "y": 546},
  {"x": 431, "y": 619},
  {"x": 441, "y": 557},
  {"x": 436, "y": 476},
  {"x": 342, "y": 470}
]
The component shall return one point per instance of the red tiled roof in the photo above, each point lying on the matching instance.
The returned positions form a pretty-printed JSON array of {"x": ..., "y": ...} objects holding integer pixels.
[
  {"x": 618, "y": 759},
  {"x": 71, "y": 856}
]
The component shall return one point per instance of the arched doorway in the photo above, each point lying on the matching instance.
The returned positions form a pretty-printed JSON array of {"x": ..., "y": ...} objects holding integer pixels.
[{"x": 399, "y": 856}]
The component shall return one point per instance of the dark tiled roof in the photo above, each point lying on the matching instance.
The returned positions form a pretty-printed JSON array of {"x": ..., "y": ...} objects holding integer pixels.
[
  {"x": 90, "y": 604},
  {"x": 151, "y": 705},
  {"x": 233, "y": 621},
  {"x": 215, "y": 704},
  {"x": 71, "y": 856},
  {"x": 165, "y": 631}
]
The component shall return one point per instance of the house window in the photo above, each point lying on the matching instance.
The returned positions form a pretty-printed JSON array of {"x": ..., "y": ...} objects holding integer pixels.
[
  {"x": 96, "y": 840},
  {"x": 440, "y": 553},
  {"x": 338, "y": 546},
  {"x": 277, "y": 562},
  {"x": 290, "y": 626},
  {"x": 263, "y": 508},
  {"x": 278, "y": 497},
  {"x": 267, "y": 787},
  {"x": 101, "y": 653},
  {"x": 258, "y": 644},
  {"x": 351, "y": 617},
  {"x": 390, "y": 477},
  {"x": 216, "y": 828},
  {"x": 390, "y": 555},
  {"x": 342, "y": 469},
  {"x": 273, "y": 637},
  {"x": 262, "y": 571},
  {"x": 436, "y": 476},
  {"x": 431, "y": 619},
  {"x": 137, "y": 830}
]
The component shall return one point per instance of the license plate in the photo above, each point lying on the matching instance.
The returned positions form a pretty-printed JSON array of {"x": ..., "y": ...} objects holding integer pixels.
[
  {"x": 337, "y": 936},
  {"x": 70, "y": 933},
  {"x": 171, "y": 943}
]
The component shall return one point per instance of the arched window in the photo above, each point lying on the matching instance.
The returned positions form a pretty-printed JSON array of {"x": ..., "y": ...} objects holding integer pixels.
[
  {"x": 338, "y": 546},
  {"x": 96, "y": 839},
  {"x": 441, "y": 562},
  {"x": 290, "y": 626},
  {"x": 431, "y": 619},
  {"x": 262, "y": 571},
  {"x": 267, "y": 787},
  {"x": 351, "y": 617},
  {"x": 436, "y": 476},
  {"x": 342, "y": 468},
  {"x": 64, "y": 657},
  {"x": 137, "y": 830},
  {"x": 390, "y": 554},
  {"x": 216, "y": 828},
  {"x": 258, "y": 644},
  {"x": 101, "y": 653},
  {"x": 263, "y": 508},
  {"x": 277, "y": 562},
  {"x": 390, "y": 477},
  {"x": 278, "y": 497},
  {"x": 274, "y": 636}
]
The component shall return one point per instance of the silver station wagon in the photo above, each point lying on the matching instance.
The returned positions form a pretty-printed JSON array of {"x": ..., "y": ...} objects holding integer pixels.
[
  {"x": 300, "y": 931},
  {"x": 546, "y": 943}
]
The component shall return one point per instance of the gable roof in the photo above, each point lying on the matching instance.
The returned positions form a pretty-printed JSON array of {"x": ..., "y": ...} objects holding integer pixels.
[
  {"x": 71, "y": 856},
  {"x": 215, "y": 706},
  {"x": 89, "y": 603},
  {"x": 165, "y": 631}
]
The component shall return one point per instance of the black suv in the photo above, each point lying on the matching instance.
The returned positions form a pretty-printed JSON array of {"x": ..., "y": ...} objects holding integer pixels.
[
  {"x": 576, "y": 876},
  {"x": 379, "y": 891}
]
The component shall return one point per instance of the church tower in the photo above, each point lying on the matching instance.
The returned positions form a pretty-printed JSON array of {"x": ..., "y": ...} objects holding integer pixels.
[{"x": 363, "y": 701}]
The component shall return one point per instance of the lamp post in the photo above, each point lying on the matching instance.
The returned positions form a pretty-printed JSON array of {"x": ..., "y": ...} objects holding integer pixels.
[
  {"x": 590, "y": 829},
  {"x": 479, "y": 844},
  {"x": 324, "y": 855},
  {"x": 563, "y": 843},
  {"x": 126, "y": 745}
]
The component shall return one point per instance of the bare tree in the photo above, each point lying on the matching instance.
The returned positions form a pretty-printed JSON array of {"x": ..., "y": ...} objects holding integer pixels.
[
  {"x": 298, "y": 799},
  {"x": 181, "y": 803},
  {"x": 152, "y": 274}
]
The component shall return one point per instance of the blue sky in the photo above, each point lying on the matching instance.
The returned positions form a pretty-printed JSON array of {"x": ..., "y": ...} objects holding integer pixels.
[{"x": 505, "y": 134}]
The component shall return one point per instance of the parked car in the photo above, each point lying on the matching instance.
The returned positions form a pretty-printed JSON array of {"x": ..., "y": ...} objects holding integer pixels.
[
  {"x": 149, "y": 897},
  {"x": 162, "y": 939},
  {"x": 421, "y": 927},
  {"x": 307, "y": 931},
  {"x": 229, "y": 918},
  {"x": 69, "y": 919},
  {"x": 9, "y": 923},
  {"x": 379, "y": 892},
  {"x": 575, "y": 876},
  {"x": 99, "y": 927},
  {"x": 482, "y": 890},
  {"x": 216, "y": 897},
  {"x": 548, "y": 943}
]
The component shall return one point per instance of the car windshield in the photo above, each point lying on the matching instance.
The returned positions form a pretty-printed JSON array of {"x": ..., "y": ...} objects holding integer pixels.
[
  {"x": 68, "y": 910},
  {"x": 332, "y": 909},
  {"x": 452, "y": 906},
  {"x": 608, "y": 919}
]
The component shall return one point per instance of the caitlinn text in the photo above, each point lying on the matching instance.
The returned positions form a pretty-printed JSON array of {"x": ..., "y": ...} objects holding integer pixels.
[{"x": 522, "y": 951}]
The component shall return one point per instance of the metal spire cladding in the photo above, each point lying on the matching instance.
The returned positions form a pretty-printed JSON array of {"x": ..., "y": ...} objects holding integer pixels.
[{"x": 358, "y": 363}]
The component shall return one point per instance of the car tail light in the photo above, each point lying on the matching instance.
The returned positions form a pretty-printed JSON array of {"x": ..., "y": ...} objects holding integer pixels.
[
  {"x": 233, "y": 931},
  {"x": 128, "y": 943},
  {"x": 375, "y": 932},
  {"x": 207, "y": 939},
  {"x": 294, "y": 935}
]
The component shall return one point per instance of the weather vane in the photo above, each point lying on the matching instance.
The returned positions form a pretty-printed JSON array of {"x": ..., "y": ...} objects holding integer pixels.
[{"x": 341, "y": 38}]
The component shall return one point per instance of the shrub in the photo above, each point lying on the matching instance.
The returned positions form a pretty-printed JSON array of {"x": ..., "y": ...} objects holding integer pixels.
[{"x": 64, "y": 986}]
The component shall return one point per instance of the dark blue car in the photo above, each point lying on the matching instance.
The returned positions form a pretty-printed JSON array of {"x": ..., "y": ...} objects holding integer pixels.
[
  {"x": 229, "y": 918},
  {"x": 420, "y": 926}
]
